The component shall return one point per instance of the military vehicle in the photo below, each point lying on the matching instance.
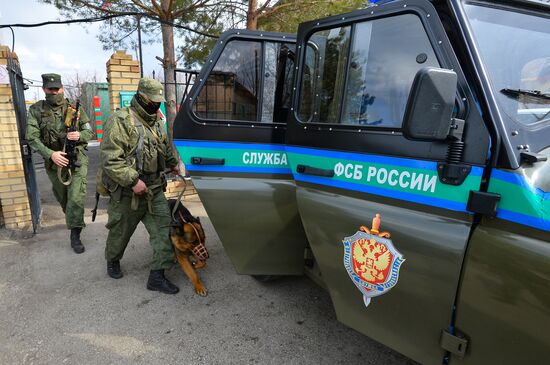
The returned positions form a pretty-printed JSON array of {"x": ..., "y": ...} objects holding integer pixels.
[{"x": 398, "y": 155}]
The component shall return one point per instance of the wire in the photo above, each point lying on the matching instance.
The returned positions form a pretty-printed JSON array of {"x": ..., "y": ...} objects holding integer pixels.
[
  {"x": 103, "y": 18},
  {"x": 126, "y": 36}
]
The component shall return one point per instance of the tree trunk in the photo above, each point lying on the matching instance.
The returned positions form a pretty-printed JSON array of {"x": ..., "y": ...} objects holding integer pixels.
[
  {"x": 252, "y": 15},
  {"x": 169, "y": 68}
]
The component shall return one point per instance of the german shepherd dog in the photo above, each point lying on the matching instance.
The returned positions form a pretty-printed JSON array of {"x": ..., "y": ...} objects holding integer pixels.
[{"x": 187, "y": 237}]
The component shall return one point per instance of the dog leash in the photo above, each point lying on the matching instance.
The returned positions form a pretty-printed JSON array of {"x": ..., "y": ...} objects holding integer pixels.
[
  {"x": 149, "y": 195},
  {"x": 199, "y": 250},
  {"x": 175, "y": 209}
]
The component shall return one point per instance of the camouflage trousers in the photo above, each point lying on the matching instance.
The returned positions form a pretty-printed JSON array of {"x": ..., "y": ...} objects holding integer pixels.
[
  {"x": 71, "y": 197},
  {"x": 123, "y": 220}
]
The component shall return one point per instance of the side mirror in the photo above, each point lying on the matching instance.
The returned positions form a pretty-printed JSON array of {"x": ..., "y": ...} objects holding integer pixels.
[{"x": 428, "y": 113}]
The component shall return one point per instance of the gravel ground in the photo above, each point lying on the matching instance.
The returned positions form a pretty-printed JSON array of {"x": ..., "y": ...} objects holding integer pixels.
[{"x": 60, "y": 308}]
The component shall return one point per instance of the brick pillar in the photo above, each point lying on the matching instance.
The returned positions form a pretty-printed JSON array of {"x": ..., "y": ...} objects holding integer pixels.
[
  {"x": 15, "y": 212},
  {"x": 123, "y": 75}
]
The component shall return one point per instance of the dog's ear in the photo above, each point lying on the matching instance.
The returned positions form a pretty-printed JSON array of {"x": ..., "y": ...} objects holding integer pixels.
[{"x": 198, "y": 219}]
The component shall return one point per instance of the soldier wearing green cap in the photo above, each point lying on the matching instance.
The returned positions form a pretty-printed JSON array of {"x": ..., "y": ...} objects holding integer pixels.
[
  {"x": 46, "y": 132},
  {"x": 134, "y": 154}
]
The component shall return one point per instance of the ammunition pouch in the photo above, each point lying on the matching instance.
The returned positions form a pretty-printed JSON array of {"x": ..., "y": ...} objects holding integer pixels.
[
  {"x": 105, "y": 186},
  {"x": 49, "y": 135}
]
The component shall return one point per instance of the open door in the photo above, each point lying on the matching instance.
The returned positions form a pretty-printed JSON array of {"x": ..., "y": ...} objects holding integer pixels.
[
  {"x": 379, "y": 210},
  {"x": 230, "y": 134}
]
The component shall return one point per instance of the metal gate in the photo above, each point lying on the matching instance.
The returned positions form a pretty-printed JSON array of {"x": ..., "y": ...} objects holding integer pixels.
[
  {"x": 184, "y": 81},
  {"x": 18, "y": 92}
]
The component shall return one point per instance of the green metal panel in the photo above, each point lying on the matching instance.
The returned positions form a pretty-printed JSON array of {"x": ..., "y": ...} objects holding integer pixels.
[
  {"x": 505, "y": 297},
  {"x": 505, "y": 293},
  {"x": 251, "y": 201},
  {"x": 410, "y": 317},
  {"x": 428, "y": 226},
  {"x": 126, "y": 98},
  {"x": 266, "y": 210}
]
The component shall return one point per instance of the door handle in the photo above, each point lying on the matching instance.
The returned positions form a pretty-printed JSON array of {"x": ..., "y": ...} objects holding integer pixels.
[
  {"x": 207, "y": 161},
  {"x": 308, "y": 170}
]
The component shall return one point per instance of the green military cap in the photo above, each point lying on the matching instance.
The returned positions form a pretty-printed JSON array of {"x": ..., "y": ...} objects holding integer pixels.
[
  {"x": 50, "y": 81},
  {"x": 152, "y": 89}
]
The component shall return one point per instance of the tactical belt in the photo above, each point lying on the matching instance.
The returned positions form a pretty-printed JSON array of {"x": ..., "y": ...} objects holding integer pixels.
[{"x": 151, "y": 188}]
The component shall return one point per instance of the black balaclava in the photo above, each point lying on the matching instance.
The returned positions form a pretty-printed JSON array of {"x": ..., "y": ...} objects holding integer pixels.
[{"x": 150, "y": 107}]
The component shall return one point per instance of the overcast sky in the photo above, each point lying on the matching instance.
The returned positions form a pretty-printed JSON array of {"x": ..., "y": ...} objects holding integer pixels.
[{"x": 63, "y": 49}]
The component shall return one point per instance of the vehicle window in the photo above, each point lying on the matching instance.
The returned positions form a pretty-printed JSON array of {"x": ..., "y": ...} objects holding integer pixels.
[
  {"x": 231, "y": 91},
  {"x": 277, "y": 86},
  {"x": 520, "y": 72},
  {"x": 285, "y": 81},
  {"x": 244, "y": 87},
  {"x": 307, "y": 92},
  {"x": 382, "y": 65},
  {"x": 327, "y": 57}
]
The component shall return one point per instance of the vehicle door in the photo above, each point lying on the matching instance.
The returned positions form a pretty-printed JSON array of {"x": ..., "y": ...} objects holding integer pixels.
[
  {"x": 382, "y": 211},
  {"x": 230, "y": 135},
  {"x": 504, "y": 304}
]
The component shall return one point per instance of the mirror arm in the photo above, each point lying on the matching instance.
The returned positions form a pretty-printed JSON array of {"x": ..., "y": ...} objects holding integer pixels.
[
  {"x": 456, "y": 130},
  {"x": 453, "y": 171}
]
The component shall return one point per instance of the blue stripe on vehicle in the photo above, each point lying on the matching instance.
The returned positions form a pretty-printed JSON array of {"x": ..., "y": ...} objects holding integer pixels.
[
  {"x": 524, "y": 219},
  {"x": 519, "y": 180}
]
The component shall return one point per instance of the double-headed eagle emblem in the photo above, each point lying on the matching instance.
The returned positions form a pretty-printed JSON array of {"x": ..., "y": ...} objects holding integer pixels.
[{"x": 372, "y": 261}]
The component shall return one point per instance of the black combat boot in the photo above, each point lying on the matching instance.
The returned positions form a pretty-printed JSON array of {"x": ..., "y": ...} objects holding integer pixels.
[
  {"x": 113, "y": 269},
  {"x": 76, "y": 244},
  {"x": 158, "y": 282}
]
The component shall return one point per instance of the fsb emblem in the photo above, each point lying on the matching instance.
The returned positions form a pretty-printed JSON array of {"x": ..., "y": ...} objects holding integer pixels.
[{"x": 372, "y": 261}]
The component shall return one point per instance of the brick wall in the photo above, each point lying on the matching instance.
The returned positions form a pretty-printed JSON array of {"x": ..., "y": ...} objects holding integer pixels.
[
  {"x": 15, "y": 208},
  {"x": 123, "y": 75}
]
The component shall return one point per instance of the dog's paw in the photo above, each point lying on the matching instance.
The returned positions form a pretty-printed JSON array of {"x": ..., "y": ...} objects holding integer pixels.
[
  {"x": 199, "y": 264},
  {"x": 201, "y": 290}
]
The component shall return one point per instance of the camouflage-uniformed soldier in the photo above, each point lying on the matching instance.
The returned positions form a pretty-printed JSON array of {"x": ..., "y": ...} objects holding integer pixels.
[
  {"x": 134, "y": 153},
  {"x": 46, "y": 132}
]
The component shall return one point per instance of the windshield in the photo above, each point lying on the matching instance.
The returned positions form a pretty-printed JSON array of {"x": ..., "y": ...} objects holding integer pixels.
[{"x": 515, "y": 50}]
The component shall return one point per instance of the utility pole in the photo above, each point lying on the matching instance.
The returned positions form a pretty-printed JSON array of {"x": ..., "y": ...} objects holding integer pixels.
[{"x": 139, "y": 46}]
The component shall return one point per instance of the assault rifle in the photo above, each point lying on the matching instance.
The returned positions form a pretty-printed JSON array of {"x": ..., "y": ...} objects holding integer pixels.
[{"x": 70, "y": 146}]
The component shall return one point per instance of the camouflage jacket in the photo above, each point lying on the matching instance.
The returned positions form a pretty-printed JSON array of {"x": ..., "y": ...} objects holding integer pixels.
[
  {"x": 130, "y": 151},
  {"x": 46, "y": 128}
]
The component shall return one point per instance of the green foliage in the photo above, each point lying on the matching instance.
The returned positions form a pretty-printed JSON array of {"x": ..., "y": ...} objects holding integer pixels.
[
  {"x": 119, "y": 33},
  {"x": 287, "y": 19},
  {"x": 197, "y": 47},
  {"x": 209, "y": 16}
]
